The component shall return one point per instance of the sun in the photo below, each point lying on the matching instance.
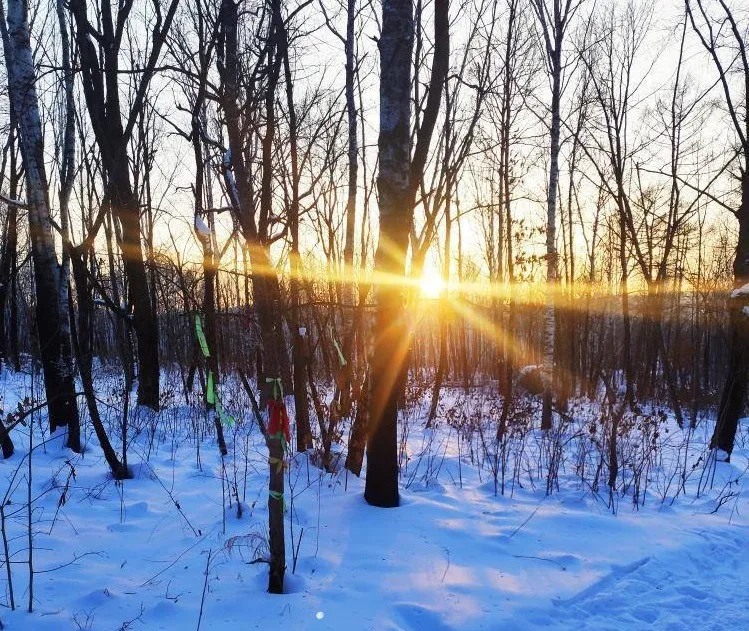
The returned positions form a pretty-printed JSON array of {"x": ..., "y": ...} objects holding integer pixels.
[{"x": 432, "y": 284}]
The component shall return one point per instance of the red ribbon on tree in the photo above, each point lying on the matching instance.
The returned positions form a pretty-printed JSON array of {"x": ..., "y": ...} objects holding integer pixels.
[{"x": 278, "y": 419}]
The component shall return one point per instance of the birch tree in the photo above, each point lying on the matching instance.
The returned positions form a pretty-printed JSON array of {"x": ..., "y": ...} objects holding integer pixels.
[
  {"x": 51, "y": 321},
  {"x": 553, "y": 21}
]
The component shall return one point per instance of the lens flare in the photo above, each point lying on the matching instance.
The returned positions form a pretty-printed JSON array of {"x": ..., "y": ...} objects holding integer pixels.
[{"x": 432, "y": 285}]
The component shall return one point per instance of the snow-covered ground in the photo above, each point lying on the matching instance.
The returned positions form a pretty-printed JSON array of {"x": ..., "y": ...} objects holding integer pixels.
[{"x": 155, "y": 551}]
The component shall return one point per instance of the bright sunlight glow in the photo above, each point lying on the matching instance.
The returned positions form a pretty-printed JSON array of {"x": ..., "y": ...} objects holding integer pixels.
[{"x": 432, "y": 284}]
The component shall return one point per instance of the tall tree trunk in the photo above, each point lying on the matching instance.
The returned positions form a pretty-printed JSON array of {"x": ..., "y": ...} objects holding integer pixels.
[
  {"x": 391, "y": 339},
  {"x": 398, "y": 181},
  {"x": 58, "y": 382},
  {"x": 67, "y": 179},
  {"x": 735, "y": 387},
  {"x": 210, "y": 270},
  {"x": 121, "y": 326},
  {"x": 82, "y": 351},
  {"x": 348, "y": 246},
  {"x": 126, "y": 208},
  {"x": 555, "y": 59},
  {"x": 359, "y": 429},
  {"x": 265, "y": 284},
  {"x": 445, "y": 315},
  {"x": 9, "y": 255},
  {"x": 624, "y": 291},
  {"x": 734, "y": 393},
  {"x": 298, "y": 333}
]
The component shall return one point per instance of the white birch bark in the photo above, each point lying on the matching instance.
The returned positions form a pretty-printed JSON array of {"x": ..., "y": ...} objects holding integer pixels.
[{"x": 59, "y": 387}]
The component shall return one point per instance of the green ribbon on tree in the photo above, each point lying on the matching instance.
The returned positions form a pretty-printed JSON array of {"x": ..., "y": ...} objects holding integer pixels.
[
  {"x": 201, "y": 336},
  {"x": 278, "y": 496},
  {"x": 278, "y": 462},
  {"x": 211, "y": 393},
  {"x": 341, "y": 358},
  {"x": 226, "y": 419}
]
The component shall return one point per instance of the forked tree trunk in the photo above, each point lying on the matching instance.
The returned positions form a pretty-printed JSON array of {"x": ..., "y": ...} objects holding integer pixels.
[
  {"x": 101, "y": 87},
  {"x": 82, "y": 350},
  {"x": 265, "y": 284}
]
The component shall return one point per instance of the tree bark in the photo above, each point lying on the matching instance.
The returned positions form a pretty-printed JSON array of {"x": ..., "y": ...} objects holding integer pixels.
[
  {"x": 299, "y": 355},
  {"x": 265, "y": 284},
  {"x": 396, "y": 215},
  {"x": 9, "y": 256},
  {"x": 348, "y": 246},
  {"x": 734, "y": 392},
  {"x": 58, "y": 381}
]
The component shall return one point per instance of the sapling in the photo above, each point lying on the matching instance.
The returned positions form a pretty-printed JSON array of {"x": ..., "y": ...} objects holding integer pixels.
[
  {"x": 64, "y": 495},
  {"x": 205, "y": 587}
]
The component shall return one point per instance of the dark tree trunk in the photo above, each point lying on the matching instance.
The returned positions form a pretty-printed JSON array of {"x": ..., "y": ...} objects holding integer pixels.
[
  {"x": 359, "y": 429},
  {"x": 6, "y": 443},
  {"x": 445, "y": 312},
  {"x": 122, "y": 327},
  {"x": 118, "y": 469},
  {"x": 358, "y": 438},
  {"x": 627, "y": 337},
  {"x": 101, "y": 86},
  {"x": 210, "y": 268},
  {"x": 735, "y": 387},
  {"x": 9, "y": 255},
  {"x": 126, "y": 209},
  {"x": 348, "y": 248},
  {"x": 391, "y": 340},
  {"x": 265, "y": 284},
  {"x": 299, "y": 345},
  {"x": 397, "y": 183}
]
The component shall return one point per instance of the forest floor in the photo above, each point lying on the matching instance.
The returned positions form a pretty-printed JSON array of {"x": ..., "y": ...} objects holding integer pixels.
[{"x": 167, "y": 549}]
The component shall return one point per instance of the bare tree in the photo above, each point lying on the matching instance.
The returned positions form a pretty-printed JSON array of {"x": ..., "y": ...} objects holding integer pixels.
[
  {"x": 101, "y": 85},
  {"x": 50, "y": 319},
  {"x": 554, "y": 22},
  {"x": 257, "y": 222},
  {"x": 725, "y": 40},
  {"x": 398, "y": 181}
]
